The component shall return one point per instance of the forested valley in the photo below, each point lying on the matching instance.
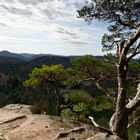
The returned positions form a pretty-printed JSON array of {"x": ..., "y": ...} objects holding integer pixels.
[{"x": 72, "y": 87}]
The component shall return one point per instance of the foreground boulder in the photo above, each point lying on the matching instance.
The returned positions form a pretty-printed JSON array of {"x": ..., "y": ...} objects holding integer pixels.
[{"x": 17, "y": 123}]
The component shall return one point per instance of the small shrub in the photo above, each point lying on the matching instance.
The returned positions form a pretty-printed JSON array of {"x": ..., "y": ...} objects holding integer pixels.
[{"x": 38, "y": 107}]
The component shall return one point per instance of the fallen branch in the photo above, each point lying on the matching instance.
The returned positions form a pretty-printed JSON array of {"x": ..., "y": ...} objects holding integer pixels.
[
  {"x": 65, "y": 134},
  {"x": 100, "y": 128}
]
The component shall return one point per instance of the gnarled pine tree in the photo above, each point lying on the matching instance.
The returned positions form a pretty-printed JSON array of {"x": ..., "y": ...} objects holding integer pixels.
[
  {"x": 51, "y": 77},
  {"x": 123, "y": 17}
]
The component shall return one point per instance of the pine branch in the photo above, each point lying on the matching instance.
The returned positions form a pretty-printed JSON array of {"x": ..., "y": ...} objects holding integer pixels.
[
  {"x": 131, "y": 41},
  {"x": 136, "y": 51},
  {"x": 127, "y": 24}
]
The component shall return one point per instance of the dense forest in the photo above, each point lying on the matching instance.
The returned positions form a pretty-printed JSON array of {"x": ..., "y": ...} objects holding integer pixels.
[{"x": 73, "y": 87}]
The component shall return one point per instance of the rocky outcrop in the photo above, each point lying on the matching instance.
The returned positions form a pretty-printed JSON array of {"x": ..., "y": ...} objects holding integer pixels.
[{"x": 17, "y": 123}]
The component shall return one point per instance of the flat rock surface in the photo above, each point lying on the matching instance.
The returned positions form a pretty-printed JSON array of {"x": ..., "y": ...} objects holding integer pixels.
[{"x": 17, "y": 123}]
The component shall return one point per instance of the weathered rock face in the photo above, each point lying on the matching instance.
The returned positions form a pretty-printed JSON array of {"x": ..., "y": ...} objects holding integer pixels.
[{"x": 17, "y": 123}]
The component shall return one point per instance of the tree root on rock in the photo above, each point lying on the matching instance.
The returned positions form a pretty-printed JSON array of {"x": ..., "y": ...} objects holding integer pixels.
[{"x": 65, "y": 134}]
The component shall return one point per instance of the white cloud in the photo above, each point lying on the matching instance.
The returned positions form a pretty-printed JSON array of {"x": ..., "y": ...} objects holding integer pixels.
[
  {"x": 51, "y": 9},
  {"x": 45, "y": 22}
]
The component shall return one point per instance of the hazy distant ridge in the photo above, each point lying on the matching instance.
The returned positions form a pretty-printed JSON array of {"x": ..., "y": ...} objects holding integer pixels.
[{"x": 27, "y": 56}]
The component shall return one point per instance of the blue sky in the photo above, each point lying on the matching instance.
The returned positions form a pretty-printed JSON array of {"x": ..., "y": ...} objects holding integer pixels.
[{"x": 48, "y": 26}]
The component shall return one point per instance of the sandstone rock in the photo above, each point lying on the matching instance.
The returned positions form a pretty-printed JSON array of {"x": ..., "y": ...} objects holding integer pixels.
[
  {"x": 17, "y": 123},
  {"x": 17, "y": 108}
]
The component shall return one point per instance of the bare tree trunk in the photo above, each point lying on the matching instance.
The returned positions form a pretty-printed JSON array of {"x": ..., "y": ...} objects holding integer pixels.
[
  {"x": 120, "y": 125},
  {"x": 120, "y": 119}
]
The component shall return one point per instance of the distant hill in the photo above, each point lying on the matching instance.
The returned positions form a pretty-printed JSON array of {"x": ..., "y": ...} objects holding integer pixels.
[
  {"x": 50, "y": 60},
  {"x": 13, "y": 63},
  {"x": 33, "y": 57},
  {"x": 27, "y": 56},
  {"x": 10, "y": 55}
]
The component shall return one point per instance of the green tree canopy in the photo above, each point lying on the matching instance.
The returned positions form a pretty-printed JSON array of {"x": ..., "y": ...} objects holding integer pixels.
[
  {"x": 88, "y": 69},
  {"x": 48, "y": 74},
  {"x": 52, "y": 78}
]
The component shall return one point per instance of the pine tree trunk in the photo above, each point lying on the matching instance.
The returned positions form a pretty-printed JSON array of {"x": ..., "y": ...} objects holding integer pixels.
[
  {"x": 53, "y": 99},
  {"x": 120, "y": 121},
  {"x": 120, "y": 125},
  {"x": 58, "y": 111}
]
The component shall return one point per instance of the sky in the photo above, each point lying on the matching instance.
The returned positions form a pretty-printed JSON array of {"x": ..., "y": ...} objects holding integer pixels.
[{"x": 48, "y": 27}]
